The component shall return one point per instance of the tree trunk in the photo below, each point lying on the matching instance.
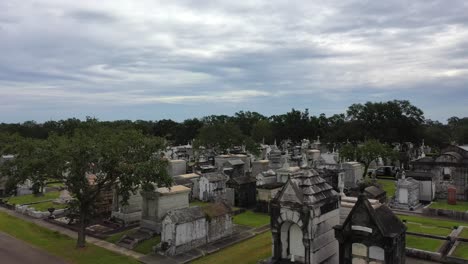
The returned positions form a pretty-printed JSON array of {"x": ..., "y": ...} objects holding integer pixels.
[
  {"x": 81, "y": 242},
  {"x": 366, "y": 168}
]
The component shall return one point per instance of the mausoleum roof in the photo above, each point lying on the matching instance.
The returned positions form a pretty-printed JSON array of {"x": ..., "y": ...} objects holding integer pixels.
[
  {"x": 374, "y": 191},
  {"x": 216, "y": 209},
  {"x": 173, "y": 190},
  {"x": 419, "y": 174},
  {"x": 244, "y": 179},
  {"x": 214, "y": 176},
  {"x": 385, "y": 220},
  {"x": 236, "y": 162},
  {"x": 312, "y": 187},
  {"x": 186, "y": 215}
]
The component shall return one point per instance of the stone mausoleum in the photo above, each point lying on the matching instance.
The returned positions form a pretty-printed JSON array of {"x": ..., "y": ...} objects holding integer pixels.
[
  {"x": 303, "y": 214},
  {"x": 371, "y": 234},
  {"x": 188, "y": 228},
  {"x": 449, "y": 168},
  {"x": 156, "y": 204}
]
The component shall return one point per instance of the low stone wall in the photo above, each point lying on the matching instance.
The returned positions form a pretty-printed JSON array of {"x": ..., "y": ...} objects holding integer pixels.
[
  {"x": 422, "y": 254},
  {"x": 26, "y": 210},
  {"x": 238, "y": 211},
  {"x": 456, "y": 215},
  {"x": 453, "y": 259},
  {"x": 127, "y": 218},
  {"x": 427, "y": 235}
]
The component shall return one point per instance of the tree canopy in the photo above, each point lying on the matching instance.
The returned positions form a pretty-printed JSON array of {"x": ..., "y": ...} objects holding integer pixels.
[
  {"x": 367, "y": 152},
  {"x": 91, "y": 160},
  {"x": 392, "y": 121}
]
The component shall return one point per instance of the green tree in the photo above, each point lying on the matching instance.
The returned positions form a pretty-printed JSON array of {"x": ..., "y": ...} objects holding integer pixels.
[
  {"x": 223, "y": 136},
  {"x": 246, "y": 121},
  {"x": 34, "y": 159},
  {"x": 365, "y": 153},
  {"x": 262, "y": 130},
  {"x": 392, "y": 121},
  {"x": 436, "y": 134},
  {"x": 98, "y": 159}
]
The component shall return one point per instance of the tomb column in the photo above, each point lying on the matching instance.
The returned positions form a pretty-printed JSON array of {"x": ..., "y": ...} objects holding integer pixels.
[
  {"x": 276, "y": 244},
  {"x": 306, "y": 242}
]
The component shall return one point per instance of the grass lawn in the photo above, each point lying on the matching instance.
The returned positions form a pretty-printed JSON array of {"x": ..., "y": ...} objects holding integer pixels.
[
  {"x": 249, "y": 218},
  {"x": 56, "y": 184},
  {"x": 58, "y": 244},
  {"x": 250, "y": 251},
  {"x": 46, "y": 205},
  {"x": 430, "y": 230},
  {"x": 388, "y": 186},
  {"x": 460, "y": 206},
  {"x": 146, "y": 246},
  {"x": 431, "y": 222},
  {"x": 31, "y": 198},
  {"x": 115, "y": 237},
  {"x": 423, "y": 243},
  {"x": 461, "y": 251},
  {"x": 464, "y": 233}
]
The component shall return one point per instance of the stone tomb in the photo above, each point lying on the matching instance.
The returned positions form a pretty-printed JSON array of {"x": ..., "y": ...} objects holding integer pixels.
[
  {"x": 407, "y": 194},
  {"x": 353, "y": 174},
  {"x": 156, "y": 204},
  {"x": 244, "y": 191},
  {"x": 177, "y": 167},
  {"x": 188, "y": 228},
  {"x": 129, "y": 213},
  {"x": 195, "y": 179},
  {"x": 303, "y": 214},
  {"x": 265, "y": 193},
  {"x": 259, "y": 166},
  {"x": 371, "y": 235},
  {"x": 212, "y": 186}
]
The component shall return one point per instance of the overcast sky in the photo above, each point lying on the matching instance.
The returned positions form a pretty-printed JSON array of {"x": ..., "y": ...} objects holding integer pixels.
[{"x": 183, "y": 59}]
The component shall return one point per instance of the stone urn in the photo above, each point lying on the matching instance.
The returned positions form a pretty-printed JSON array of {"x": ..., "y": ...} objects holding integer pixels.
[{"x": 51, "y": 211}]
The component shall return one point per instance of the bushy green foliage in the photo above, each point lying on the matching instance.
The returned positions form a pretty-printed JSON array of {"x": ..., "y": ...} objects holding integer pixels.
[{"x": 367, "y": 152}]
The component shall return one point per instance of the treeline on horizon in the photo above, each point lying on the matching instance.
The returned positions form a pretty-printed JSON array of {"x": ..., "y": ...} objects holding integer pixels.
[{"x": 388, "y": 122}]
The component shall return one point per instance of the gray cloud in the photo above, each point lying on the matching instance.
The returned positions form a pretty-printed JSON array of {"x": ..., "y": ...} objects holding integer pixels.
[
  {"x": 272, "y": 55},
  {"x": 87, "y": 16}
]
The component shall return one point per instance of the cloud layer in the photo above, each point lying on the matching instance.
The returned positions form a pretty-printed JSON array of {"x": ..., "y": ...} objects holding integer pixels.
[{"x": 181, "y": 59}]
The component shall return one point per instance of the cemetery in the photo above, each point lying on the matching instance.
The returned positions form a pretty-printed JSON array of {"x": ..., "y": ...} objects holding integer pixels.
[{"x": 293, "y": 202}]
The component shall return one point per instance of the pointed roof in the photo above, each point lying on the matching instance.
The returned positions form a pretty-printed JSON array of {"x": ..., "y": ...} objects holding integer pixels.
[
  {"x": 382, "y": 217},
  {"x": 308, "y": 188}
]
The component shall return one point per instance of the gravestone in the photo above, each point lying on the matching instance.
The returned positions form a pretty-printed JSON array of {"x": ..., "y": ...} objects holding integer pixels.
[
  {"x": 452, "y": 195},
  {"x": 407, "y": 193}
]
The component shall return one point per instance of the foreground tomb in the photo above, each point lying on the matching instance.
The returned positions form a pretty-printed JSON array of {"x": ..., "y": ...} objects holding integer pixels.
[
  {"x": 303, "y": 214},
  {"x": 371, "y": 234},
  {"x": 188, "y": 228}
]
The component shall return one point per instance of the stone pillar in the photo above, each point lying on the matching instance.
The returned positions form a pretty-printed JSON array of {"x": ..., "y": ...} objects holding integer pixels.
[
  {"x": 306, "y": 242},
  {"x": 276, "y": 245}
]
